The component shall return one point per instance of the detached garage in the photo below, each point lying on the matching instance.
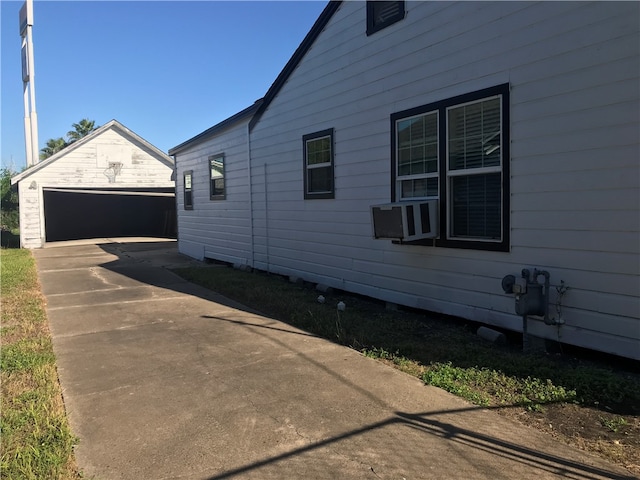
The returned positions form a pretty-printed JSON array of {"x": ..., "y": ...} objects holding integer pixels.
[{"x": 111, "y": 183}]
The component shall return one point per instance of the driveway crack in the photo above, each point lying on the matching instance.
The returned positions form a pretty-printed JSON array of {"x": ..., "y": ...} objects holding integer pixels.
[{"x": 97, "y": 273}]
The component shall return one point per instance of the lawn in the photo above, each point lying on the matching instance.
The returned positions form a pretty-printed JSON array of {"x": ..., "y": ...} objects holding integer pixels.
[
  {"x": 579, "y": 397},
  {"x": 36, "y": 440}
]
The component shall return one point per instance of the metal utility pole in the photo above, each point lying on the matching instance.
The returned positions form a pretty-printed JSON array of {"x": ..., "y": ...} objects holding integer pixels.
[{"x": 28, "y": 84}]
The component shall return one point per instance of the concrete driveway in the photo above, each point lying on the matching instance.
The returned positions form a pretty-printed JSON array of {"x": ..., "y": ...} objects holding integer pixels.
[{"x": 165, "y": 380}]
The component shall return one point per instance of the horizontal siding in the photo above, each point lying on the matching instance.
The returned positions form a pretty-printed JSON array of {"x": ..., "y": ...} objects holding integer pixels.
[
  {"x": 573, "y": 70},
  {"x": 621, "y": 242},
  {"x": 596, "y": 201},
  {"x": 581, "y": 221},
  {"x": 217, "y": 229},
  {"x": 31, "y": 234}
]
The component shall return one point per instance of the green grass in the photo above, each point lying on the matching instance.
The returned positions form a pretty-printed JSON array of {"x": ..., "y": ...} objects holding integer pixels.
[
  {"x": 442, "y": 352},
  {"x": 36, "y": 440},
  {"x": 486, "y": 386}
]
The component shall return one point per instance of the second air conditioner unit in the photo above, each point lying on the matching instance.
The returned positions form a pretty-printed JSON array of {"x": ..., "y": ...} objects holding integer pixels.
[{"x": 405, "y": 221}]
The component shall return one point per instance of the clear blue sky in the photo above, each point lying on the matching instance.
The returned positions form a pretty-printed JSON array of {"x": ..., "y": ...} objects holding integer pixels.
[{"x": 166, "y": 70}]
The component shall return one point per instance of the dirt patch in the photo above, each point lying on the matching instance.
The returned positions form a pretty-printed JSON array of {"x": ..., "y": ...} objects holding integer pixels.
[{"x": 615, "y": 437}]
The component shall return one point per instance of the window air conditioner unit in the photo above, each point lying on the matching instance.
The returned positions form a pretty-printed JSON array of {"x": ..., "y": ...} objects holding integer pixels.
[{"x": 405, "y": 221}]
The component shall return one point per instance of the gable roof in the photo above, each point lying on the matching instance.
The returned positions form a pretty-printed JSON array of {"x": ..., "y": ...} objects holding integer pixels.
[
  {"x": 295, "y": 59},
  {"x": 113, "y": 124},
  {"x": 201, "y": 137}
]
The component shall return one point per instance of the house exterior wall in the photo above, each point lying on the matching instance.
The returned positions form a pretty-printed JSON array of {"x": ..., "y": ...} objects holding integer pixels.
[
  {"x": 221, "y": 228},
  {"x": 573, "y": 70},
  {"x": 84, "y": 167}
]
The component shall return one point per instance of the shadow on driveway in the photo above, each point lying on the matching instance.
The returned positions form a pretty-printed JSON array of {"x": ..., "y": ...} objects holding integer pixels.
[{"x": 165, "y": 379}]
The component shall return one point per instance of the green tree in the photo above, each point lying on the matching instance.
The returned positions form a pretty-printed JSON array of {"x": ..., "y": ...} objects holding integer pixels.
[
  {"x": 54, "y": 145},
  {"x": 81, "y": 129},
  {"x": 9, "y": 218}
]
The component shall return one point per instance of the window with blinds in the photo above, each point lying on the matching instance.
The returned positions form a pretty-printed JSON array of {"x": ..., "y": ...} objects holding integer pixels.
[
  {"x": 457, "y": 151},
  {"x": 417, "y": 171},
  {"x": 474, "y": 161}
]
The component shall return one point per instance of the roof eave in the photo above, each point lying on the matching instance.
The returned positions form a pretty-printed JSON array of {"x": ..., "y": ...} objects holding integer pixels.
[
  {"x": 69, "y": 148},
  {"x": 163, "y": 156},
  {"x": 216, "y": 129}
]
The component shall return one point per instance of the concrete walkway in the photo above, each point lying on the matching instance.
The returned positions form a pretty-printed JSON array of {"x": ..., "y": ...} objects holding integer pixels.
[{"x": 166, "y": 380}]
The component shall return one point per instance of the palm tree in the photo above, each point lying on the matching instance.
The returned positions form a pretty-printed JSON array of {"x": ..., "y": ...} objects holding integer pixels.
[
  {"x": 54, "y": 145},
  {"x": 83, "y": 128}
]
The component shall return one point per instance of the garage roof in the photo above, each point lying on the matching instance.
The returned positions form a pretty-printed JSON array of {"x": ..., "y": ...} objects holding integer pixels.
[{"x": 113, "y": 124}]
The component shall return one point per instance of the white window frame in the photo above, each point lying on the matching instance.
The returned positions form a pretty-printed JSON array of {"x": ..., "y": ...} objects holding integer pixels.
[
  {"x": 468, "y": 172},
  {"x": 418, "y": 176}
]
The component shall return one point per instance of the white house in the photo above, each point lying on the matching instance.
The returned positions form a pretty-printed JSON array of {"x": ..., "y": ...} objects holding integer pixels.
[
  {"x": 215, "y": 218},
  {"x": 515, "y": 123},
  {"x": 110, "y": 183}
]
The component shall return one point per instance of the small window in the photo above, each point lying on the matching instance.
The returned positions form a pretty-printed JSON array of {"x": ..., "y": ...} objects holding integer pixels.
[
  {"x": 457, "y": 151},
  {"x": 216, "y": 177},
  {"x": 188, "y": 190},
  {"x": 382, "y": 14},
  {"x": 318, "y": 165}
]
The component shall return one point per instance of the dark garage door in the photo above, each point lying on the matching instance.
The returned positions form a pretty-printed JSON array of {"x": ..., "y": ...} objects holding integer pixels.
[{"x": 79, "y": 214}]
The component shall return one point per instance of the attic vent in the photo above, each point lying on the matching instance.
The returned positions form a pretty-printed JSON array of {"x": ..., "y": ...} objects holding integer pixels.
[{"x": 382, "y": 14}]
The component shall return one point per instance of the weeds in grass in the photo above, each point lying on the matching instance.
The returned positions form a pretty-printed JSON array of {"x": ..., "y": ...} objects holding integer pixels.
[
  {"x": 485, "y": 386},
  {"x": 380, "y": 353},
  {"x": 613, "y": 423},
  {"x": 26, "y": 354},
  {"x": 400, "y": 361},
  {"x": 461, "y": 382}
]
